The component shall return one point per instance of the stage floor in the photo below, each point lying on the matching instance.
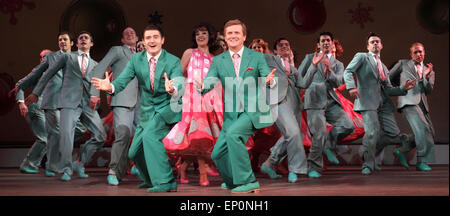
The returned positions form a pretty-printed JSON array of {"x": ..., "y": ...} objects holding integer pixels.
[{"x": 336, "y": 181}]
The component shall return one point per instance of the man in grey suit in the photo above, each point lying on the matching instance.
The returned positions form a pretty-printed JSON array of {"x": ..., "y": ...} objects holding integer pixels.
[
  {"x": 124, "y": 104},
  {"x": 74, "y": 103},
  {"x": 35, "y": 119},
  {"x": 372, "y": 100},
  {"x": 50, "y": 102},
  {"x": 322, "y": 104},
  {"x": 285, "y": 97},
  {"x": 414, "y": 106}
]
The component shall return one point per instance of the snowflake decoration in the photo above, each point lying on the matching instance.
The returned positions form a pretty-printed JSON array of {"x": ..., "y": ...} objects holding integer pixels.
[
  {"x": 155, "y": 18},
  {"x": 360, "y": 15},
  {"x": 13, "y": 6}
]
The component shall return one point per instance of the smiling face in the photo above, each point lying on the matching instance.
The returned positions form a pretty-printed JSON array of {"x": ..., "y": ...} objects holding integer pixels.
[
  {"x": 417, "y": 53},
  {"x": 202, "y": 37},
  {"x": 84, "y": 42},
  {"x": 284, "y": 48},
  {"x": 324, "y": 44},
  {"x": 64, "y": 43},
  {"x": 129, "y": 37},
  {"x": 374, "y": 45},
  {"x": 234, "y": 36},
  {"x": 153, "y": 42}
]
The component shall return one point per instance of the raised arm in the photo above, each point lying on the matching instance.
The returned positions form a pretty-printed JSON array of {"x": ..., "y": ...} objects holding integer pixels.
[{"x": 99, "y": 71}]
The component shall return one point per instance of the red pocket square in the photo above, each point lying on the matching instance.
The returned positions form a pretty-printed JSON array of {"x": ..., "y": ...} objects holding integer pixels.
[{"x": 248, "y": 69}]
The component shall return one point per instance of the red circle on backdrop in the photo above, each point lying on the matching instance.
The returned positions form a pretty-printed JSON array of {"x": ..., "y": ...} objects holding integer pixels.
[{"x": 307, "y": 16}]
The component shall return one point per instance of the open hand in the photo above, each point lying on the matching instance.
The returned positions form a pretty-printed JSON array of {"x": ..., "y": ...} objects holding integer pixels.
[
  {"x": 427, "y": 72},
  {"x": 102, "y": 84},
  {"x": 317, "y": 59},
  {"x": 168, "y": 84},
  {"x": 409, "y": 84},
  {"x": 23, "y": 109},
  {"x": 269, "y": 77},
  {"x": 32, "y": 98}
]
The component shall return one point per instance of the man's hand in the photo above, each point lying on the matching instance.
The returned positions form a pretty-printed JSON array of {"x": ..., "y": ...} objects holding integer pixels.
[
  {"x": 102, "y": 84},
  {"x": 168, "y": 84},
  {"x": 23, "y": 109},
  {"x": 317, "y": 59},
  {"x": 13, "y": 92},
  {"x": 94, "y": 101},
  {"x": 32, "y": 98},
  {"x": 409, "y": 84},
  {"x": 291, "y": 58},
  {"x": 269, "y": 77},
  {"x": 427, "y": 72},
  {"x": 354, "y": 93}
]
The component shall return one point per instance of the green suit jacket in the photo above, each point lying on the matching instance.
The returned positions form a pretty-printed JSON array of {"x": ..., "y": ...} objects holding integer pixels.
[
  {"x": 245, "y": 94},
  {"x": 157, "y": 100}
]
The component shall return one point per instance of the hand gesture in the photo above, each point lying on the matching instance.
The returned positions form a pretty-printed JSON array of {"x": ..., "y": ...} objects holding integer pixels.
[
  {"x": 23, "y": 109},
  {"x": 317, "y": 59},
  {"x": 326, "y": 65},
  {"x": 291, "y": 58},
  {"x": 13, "y": 92},
  {"x": 269, "y": 77},
  {"x": 32, "y": 98},
  {"x": 168, "y": 84},
  {"x": 427, "y": 72},
  {"x": 409, "y": 84},
  {"x": 354, "y": 93},
  {"x": 102, "y": 84}
]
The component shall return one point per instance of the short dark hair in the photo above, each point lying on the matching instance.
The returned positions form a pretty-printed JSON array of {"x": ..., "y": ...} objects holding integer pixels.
[
  {"x": 67, "y": 33},
  {"x": 275, "y": 44},
  {"x": 211, "y": 34},
  {"x": 371, "y": 34},
  {"x": 86, "y": 32},
  {"x": 325, "y": 33},
  {"x": 153, "y": 27}
]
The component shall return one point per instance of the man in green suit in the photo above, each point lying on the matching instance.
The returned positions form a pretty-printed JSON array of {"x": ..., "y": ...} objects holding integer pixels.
[
  {"x": 372, "y": 100},
  {"x": 160, "y": 107},
  {"x": 124, "y": 104},
  {"x": 414, "y": 106},
  {"x": 238, "y": 69}
]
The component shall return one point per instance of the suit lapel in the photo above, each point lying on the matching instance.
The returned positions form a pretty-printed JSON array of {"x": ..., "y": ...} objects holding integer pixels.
[
  {"x": 228, "y": 64},
  {"x": 144, "y": 66},
  {"x": 74, "y": 56},
  {"x": 126, "y": 51},
  {"x": 412, "y": 68},
  {"x": 160, "y": 67},
  {"x": 278, "y": 60},
  {"x": 374, "y": 65},
  {"x": 246, "y": 56}
]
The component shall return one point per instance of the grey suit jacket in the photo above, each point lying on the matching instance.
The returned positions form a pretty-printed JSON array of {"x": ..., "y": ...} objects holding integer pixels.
[
  {"x": 317, "y": 93},
  {"x": 405, "y": 70},
  {"x": 373, "y": 92},
  {"x": 51, "y": 92},
  {"x": 279, "y": 92},
  {"x": 117, "y": 57},
  {"x": 74, "y": 85}
]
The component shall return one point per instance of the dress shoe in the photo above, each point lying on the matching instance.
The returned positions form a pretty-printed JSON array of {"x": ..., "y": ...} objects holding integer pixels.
[
  {"x": 65, "y": 177},
  {"x": 331, "y": 157},
  {"x": 225, "y": 186},
  {"x": 168, "y": 187},
  {"x": 366, "y": 171},
  {"x": 422, "y": 167},
  {"x": 376, "y": 167},
  {"x": 144, "y": 185},
  {"x": 271, "y": 172},
  {"x": 112, "y": 180},
  {"x": 314, "y": 174},
  {"x": 49, "y": 173},
  {"x": 401, "y": 157},
  {"x": 292, "y": 177},
  {"x": 80, "y": 170},
  {"x": 28, "y": 170},
  {"x": 247, "y": 188}
]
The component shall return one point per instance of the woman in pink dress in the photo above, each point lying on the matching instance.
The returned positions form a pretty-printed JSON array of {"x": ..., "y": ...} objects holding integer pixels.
[{"x": 202, "y": 116}]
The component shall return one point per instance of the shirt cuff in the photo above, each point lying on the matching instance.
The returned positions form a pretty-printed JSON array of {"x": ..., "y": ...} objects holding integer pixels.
[
  {"x": 112, "y": 88},
  {"x": 20, "y": 101}
]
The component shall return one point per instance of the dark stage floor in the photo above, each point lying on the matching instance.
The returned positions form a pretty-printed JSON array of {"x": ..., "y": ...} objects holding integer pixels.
[{"x": 336, "y": 181}]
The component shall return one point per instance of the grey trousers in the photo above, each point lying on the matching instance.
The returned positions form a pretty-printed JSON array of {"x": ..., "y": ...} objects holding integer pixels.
[
  {"x": 52, "y": 120},
  {"x": 290, "y": 144},
  {"x": 380, "y": 130},
  {"x": 123, "y": 131},
  {"x": 36, "y": 120},
  {"x": 91, "y": 120},
  {"x": 317, "y": 119},
  {"x": 420, "y": 122}
]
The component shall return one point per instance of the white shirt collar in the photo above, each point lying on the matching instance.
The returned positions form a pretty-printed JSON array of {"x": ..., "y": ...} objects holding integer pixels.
[
  {"x": 373, "y": 54},
  {"x": 81, "y": 52},
  {"x": 239, "y": 52},
  {"x": 156, "y": 57}
]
